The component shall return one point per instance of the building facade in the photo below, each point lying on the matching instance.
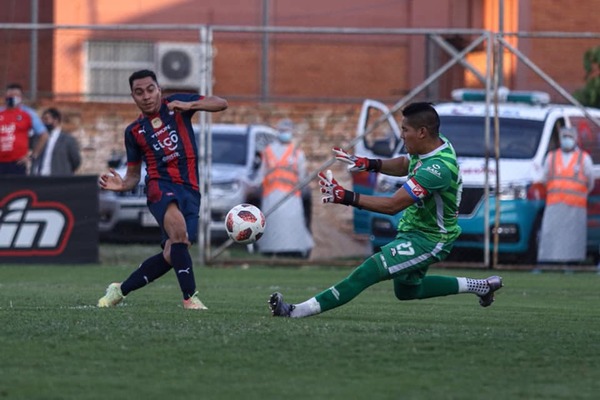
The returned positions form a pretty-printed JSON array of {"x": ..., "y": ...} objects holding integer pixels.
[{"x": 81, "y": 57}]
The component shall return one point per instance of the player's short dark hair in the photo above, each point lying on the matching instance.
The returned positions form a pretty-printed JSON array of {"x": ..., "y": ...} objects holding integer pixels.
[
  {"x": 54, "y": 113},
  {"x": 14, "y": 86},
  {"x": 422, "y": 114},
  {"x": 141, "y": 74}
]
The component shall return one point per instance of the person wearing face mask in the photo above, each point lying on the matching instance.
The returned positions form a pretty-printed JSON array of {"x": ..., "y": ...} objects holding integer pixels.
[
  {"x": 284, "y": 167},
  {"x": 61, "y": 156},
  {"x": 16, "y": 122},
  {"x": 568, "y": 176}
]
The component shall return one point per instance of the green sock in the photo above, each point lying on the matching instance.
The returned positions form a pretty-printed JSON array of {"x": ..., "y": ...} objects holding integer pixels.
[
  {"x": 362, "y": 277},
  {"x": 431, "y": 286}
]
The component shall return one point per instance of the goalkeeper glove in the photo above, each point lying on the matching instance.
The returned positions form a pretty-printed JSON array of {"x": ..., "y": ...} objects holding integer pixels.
[
  {"x": 334, "y": 193},
  {"x": 357, "y": 164}
]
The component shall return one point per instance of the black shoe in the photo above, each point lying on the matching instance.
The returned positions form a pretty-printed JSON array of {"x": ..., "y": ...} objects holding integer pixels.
[
  {"x": 495, "y": 283},
  {"x": 278, "y": 307}
]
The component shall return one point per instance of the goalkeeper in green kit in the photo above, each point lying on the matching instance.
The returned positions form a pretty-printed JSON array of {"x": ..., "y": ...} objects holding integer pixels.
[{"x": 426, "y": 231}]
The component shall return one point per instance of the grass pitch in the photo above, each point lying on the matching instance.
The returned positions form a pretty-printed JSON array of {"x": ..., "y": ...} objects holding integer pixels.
[{"x": 540, "y": 340}]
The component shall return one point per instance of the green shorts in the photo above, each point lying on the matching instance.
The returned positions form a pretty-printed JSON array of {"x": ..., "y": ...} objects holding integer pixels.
[{"x": 407, "y": 258}]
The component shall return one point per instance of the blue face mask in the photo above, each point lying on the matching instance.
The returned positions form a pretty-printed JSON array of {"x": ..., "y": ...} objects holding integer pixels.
[
  {"x": 285, "y": 137},
  {"x": 567, "y": 143}
]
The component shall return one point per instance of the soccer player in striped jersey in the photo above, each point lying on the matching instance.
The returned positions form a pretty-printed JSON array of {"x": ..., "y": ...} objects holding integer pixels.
[
  {"x": 163, "y": 138},
  {"x": 426, "y": 231}
]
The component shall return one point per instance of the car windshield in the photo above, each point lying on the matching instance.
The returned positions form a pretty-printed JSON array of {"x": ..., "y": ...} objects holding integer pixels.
[
  {"x": 229, "y": 149},
  {"x": 519, "y": 138}
]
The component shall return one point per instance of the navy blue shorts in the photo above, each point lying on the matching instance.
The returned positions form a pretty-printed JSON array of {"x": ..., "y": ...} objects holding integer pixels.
[{"x": 161, "y": 194}]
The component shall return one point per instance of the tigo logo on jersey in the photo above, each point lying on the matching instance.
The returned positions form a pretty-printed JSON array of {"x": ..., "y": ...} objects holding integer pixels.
[
  {"x": 170, "y": 142},
  {"x": 30, "y": 227}
]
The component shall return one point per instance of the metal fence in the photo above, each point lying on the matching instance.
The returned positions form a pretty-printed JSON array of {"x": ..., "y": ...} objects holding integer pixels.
[{"x": 90, "y": 65}]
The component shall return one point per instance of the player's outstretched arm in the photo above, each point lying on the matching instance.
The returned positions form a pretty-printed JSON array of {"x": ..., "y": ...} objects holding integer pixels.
[
  {"x": 113, "y": 181},
  {"x": 333, "y": 192},
  {"x": 396, "y": 166},
  {"x": 355, "y": 163},
  {"x": 208, "y": 103}
]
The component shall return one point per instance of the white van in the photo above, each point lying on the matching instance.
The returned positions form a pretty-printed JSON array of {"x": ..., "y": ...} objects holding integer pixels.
[{"x": 528, "y": 128}]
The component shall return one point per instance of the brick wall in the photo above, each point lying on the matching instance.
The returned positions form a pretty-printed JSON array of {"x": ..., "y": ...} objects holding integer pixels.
[
  {"x": 561, "y": 59},
  {"x": 99, "y": 127}
]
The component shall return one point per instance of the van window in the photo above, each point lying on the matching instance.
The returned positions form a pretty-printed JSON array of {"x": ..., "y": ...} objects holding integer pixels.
[
  {"x": 519, "y": 138},
  {"x": 381, "y": 139},
  {"x": 229, "y": 149}
]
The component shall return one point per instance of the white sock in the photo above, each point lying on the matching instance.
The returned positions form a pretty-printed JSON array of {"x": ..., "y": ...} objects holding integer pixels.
[
  {"x": 469, "y": 285},
  {"x": 306, "y": 309}
]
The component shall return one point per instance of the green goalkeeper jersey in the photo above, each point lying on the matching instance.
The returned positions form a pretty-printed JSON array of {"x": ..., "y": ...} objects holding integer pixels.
[{"x": 434, "y": 181}]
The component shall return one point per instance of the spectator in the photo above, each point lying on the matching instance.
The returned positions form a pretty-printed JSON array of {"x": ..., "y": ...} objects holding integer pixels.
[
  {"x": 61, "y": 156},
  {"x": 16, "y": 121},
  {"x": 283, "y": 168},
  {"x": 568, "y": 175}
]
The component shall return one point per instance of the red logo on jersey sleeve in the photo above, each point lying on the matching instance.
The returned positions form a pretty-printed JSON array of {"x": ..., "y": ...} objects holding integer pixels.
[{"x": 416, "y": 189}]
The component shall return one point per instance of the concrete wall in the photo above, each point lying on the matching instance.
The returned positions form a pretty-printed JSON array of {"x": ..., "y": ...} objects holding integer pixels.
[{"x": 99, "y": 127}]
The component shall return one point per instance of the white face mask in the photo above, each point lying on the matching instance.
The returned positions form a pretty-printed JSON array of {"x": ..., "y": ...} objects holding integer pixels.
[{"x": 567, "y": 143}]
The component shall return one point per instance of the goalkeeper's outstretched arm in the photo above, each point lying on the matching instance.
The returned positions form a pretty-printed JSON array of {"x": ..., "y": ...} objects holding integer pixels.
[
  {"x": 333, "y": 192},
  {"x": 386, "y": 205},
  {"x": 395, "y": 166}
]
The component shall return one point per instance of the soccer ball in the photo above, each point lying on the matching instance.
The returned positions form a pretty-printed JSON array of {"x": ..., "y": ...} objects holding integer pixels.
[{"x": 245, "y": 223}]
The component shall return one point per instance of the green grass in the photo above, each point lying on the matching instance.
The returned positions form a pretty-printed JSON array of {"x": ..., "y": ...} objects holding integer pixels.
[{"x": 540, "y": 340}]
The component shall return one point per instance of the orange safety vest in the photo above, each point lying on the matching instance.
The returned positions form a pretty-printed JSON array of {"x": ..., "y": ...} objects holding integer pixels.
[
  {"x": 567, "y": 185},
  {"x": 281, "y": 174}
]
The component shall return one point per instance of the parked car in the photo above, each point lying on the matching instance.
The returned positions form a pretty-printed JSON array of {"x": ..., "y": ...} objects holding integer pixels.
[
  {"x": 236, "y": 161},
  {"x": 528, "y": 130}
]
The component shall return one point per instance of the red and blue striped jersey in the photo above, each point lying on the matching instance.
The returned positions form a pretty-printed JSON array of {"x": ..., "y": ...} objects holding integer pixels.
[{"x": 166, "y": 143}]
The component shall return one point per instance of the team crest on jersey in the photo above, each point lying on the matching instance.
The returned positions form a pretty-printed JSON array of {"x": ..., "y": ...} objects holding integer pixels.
[
  {"x": 156, "y": 123},
  {"x": 417, "y": 166},
  {"x": 416, "y": 189}
]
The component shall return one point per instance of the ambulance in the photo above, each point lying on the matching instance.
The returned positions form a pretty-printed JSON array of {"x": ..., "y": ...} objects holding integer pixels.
[{"x": 528, "y": 128}]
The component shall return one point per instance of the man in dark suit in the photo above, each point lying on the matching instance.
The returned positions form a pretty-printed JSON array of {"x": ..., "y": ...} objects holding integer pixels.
[{"x": 61, "y": 156}]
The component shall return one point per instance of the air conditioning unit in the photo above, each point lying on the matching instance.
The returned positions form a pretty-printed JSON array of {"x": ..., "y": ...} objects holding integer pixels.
[{"x": 178, "y": 65}]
